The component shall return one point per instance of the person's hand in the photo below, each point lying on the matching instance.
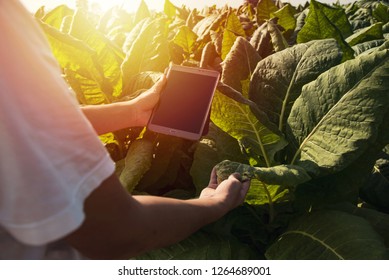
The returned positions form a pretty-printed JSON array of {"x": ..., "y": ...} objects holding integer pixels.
[
  {"x": 143, "y": 104},
  {"x": 230, "y": 193}
]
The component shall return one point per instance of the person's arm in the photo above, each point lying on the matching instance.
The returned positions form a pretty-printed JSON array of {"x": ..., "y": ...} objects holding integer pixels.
[
  {"x": 119, "y": 226},
  {"x": 134, "y": 113}
]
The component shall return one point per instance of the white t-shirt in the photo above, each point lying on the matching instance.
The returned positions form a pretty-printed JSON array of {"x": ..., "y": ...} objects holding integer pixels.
[{"x": 50, "y": 157}]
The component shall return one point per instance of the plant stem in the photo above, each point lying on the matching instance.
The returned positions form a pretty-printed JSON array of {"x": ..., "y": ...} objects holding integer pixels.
[{"x": 272, "y": 212}]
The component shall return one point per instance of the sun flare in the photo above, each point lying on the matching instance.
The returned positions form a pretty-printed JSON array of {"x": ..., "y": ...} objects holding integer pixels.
[{"x": 131, "y": 6}]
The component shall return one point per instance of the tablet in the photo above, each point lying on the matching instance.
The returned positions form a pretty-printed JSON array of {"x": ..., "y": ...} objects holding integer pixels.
[{"x": 185, "y": 102}]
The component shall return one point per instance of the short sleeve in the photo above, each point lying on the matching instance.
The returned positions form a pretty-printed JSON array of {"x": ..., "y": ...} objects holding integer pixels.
[{"x": 50, "y": 157}]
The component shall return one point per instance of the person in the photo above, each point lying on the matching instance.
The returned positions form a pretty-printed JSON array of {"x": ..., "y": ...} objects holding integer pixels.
[{"x": 57, "y": 184}]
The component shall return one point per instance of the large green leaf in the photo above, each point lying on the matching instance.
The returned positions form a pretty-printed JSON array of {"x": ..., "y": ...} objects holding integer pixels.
[
  {"x": 361, "y": 18},
  {"x": 286, "y": 175},
  {"x": 203, "y": 246},
  {"x": 109, "y": 56},
  {"x": 169, "y": 9},
  {"x": 277, "y": 80},
  {"x": 265, "y": 10},
  {"x": 133, "y": 35},
  {"x": 142, "y": 12},
  {"x": 381, "y": 12},
  {"x": 149, "y": 52},
  {"x": 247, "y": 126},
  {"x": 137, "y": 163},
  {"x": 336, "y": 15},
  {"x": 81, "y": 67},
  {"x": 87, "y": 89},
  {"x": 367, "y": 47},
  {"x": 342, "y": 114},
  {"x": 186, "y": 39},
  {"x": 373, "y": 32},
  {"x": 56, "y": 16},
  {"x": 378, "y": 220},
  {"x": 286, "y": 17},
  {"x": 328, "y": 235},
  {"x": 204, "y": 27},
  {"x": 268, "y": 39},
  {"x": 239, "y": 65},
  {"x": 232, "y": 31},
  {"x": 266, "y": 194},
  {"x": 326, "y": 22}
]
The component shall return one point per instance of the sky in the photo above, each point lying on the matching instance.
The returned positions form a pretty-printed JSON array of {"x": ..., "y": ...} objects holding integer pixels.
[{"x": 132, "y": 5}]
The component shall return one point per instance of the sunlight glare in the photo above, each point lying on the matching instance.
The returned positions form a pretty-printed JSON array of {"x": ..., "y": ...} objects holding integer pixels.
[{"x": 129, "y": 5}]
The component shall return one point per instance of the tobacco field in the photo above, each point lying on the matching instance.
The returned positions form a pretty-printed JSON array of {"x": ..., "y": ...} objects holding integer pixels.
[{"x": 302, "y": 107}]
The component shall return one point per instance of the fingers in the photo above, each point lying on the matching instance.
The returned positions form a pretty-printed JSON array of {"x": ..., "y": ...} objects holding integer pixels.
[
  {"x": 245, "y": 188},
  {"x": 159, "y": 85},
  {"x": 237, "y": 176},
  {"x": 213, "y": 178},
  {"x": 239, "y": 187}
]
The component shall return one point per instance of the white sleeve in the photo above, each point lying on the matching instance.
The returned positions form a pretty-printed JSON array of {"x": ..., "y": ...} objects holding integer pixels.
[{"x": 50, "y": 157}]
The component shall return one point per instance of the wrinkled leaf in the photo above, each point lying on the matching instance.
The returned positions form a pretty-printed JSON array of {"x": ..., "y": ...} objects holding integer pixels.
[
  {"x": 286, "y": 17},
  {"x": 277, "y": 80},
  {"x": 232, "y": 31},
  {"x": 373, "y": 32},
  {"x": 81, "y": 67},
  {"x": 378, "y": 220},
  {"x": 328, "y": 235},
  {"x": 56, "y": 16},
  {"x": 286, "y": 175},
  {"x": 367, "y": 47},
  {"x": 137, "y": 163},
  {"x": 265, "y": 10},
  {"x": 259, "y": 192},
  {"x": 338, "y": 116},
  {"x": 239, "y": 65},
  {"x": 268, "y": 39},
  {"x": 238, "y": 120},
  {"x": 135, "y": 32},
  {"x": 149, "y": 52},
  {"x": 109, "y": 56},
  {"x": 186, "y": 39},
  {"x": 209, "y": 24},
  {"x": 381, "y": 13},
  {"x": 322, "y": 22}
]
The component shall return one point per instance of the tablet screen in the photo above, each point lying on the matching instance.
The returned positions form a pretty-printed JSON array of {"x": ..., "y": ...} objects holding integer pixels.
[{"x": 185, "y": 101}]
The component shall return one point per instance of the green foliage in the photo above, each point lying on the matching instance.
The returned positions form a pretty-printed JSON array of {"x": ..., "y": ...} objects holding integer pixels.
[
  {"x": 301, "y": 110},
  {"x": 265, "y": 10},
  {"x": 373, "y": 32},
  {"x": 286, "y": 17},
  {"x": 326, "y": 22},
  {"x": 328, "y": 235}
]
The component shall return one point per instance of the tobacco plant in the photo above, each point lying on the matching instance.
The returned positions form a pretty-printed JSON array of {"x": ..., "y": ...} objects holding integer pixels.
[{"x": 302, "y": 109}]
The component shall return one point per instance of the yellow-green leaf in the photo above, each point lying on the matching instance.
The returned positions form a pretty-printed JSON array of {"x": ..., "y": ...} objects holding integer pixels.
[
  {"x": 265, "y": 10},
  {"x": 137, "y": 163},
  {"x": 186, "y": 39},
  {"x": 169, "y": 9},
  {"x": 142, "y": 12},
  {"x": 233, "y": 30}
]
